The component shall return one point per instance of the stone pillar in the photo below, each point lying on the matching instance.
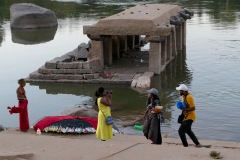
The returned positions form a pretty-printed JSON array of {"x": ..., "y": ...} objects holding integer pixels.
[
  {"x": 107, "y": 50},
  {"x": 123, "y": 44},
  {"x": 137, "y": 41},
  {"x": 116, "y": 47},
  {"x": 174, "y": 44},
  {"x": 163, "y": 53},
  {"x": 169, "y": 48},
  {"x": 157, "y": 54},
  {"x": 96, "y": 50},
  {"x": 155, "y": 57},
  {"x": 130, "y": 42},
  {"x": 184, "y": 33},
  {"x": 179, "y": 37}
]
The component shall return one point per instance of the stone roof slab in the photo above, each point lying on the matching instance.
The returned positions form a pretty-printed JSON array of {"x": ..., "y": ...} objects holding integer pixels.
[{"x": 148, "y": 19}]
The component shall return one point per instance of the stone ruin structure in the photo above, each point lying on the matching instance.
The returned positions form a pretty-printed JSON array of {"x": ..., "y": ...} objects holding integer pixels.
[{"x": 163, "y": 25}]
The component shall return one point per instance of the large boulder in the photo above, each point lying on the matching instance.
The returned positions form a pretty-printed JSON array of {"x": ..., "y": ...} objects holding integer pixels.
[
  {"x": 27, "y": 16},
  {"x": 81, "y": 111}
]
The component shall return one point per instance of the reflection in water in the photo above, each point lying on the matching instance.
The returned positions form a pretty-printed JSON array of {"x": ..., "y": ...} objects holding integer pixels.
[
  {"x": 33, "y": 36},
  {"x": 127, "y": 102},
  {"x": 1, "y": 35},
  {"x": 175, "y": 73},
  {"x": 77, "y": 1}
]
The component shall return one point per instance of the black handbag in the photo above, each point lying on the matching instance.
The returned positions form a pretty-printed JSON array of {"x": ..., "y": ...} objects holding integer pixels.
[{"x": 180, "y": 118}]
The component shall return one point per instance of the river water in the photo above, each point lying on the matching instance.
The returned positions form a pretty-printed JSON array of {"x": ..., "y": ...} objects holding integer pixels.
[{"x": 210, "y": 67}]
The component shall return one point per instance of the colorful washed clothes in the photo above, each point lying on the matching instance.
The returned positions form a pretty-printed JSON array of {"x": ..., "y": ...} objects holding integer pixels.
[
  {"x": 190, "y": 103},
  {"x": 104, "y": 131}
]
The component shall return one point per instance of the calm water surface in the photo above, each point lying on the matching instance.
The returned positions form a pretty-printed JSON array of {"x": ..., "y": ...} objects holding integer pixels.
[{"x": 210, "y": 67}]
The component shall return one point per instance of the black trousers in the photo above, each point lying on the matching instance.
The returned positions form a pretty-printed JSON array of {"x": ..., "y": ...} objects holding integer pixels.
[{"x": 186, "y": 127}]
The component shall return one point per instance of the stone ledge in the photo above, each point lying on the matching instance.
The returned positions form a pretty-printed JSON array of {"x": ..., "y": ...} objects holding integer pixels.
[
  {"x": 55, "y": 76},
  {"x": 88, "y": 81},
  {"x": 69, "y": 65},
  {"x": 59, "y": 63},
  {"x": 46, "y": 71},
  {"x": 121, "y": 79}
]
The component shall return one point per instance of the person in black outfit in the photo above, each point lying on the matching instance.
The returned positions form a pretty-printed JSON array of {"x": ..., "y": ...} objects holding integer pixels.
[{"x": 153, "y": 118}]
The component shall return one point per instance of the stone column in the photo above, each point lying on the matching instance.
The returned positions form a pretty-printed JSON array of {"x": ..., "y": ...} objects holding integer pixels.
[
  {"x": 169, "y": 48},
  {"x": 116, "y": 47},
  {"x": 137, "y": 41},
  {"x": 174, "y": 45},
  {"x": 123, "y": 44},
  {"x": 107, "y": 50},
  {"x": 130, "y": 42},
  {"x": 157, "y": 54},
  {"x": 96, "y": 50},
  {"x": 184, "y": 33},
  {"x": 163, "y": 53},
  {"x": 155, "y": 57},
  {"x": 179, "y": 37}
]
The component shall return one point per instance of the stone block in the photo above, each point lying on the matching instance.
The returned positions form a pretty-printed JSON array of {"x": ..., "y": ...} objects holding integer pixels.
[
  {"x": 43, "y": 70},
  {"x": 78, "y": 77},
  {"x": 51, "y": 65},
  {"x": 35, "y": 75},
  {"x": 65, "y": 71},
  {"x": 89, "y": 76},
  {"x": 136, "y": 76},
  {"x": 92, "y": 64},
  {"x": 86, "y": 65},
  {"x": 84, "y": 71},
  {"x": 80, "y": 65},
  {"x": 148, "y": 74},
  {"x": 134, "y": 83},
  {"x": 143, "y": 82},
  {"x": 67, "y": 65}
]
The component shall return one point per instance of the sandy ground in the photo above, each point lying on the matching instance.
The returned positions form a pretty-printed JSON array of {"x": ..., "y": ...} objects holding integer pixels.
[{"x": 27, "y": 145}]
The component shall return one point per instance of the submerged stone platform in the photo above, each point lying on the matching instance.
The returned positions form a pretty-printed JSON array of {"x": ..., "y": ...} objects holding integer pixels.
[{"x": 125, "y": 71}]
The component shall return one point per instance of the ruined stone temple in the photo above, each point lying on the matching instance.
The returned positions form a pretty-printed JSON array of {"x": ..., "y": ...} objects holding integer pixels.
[{"x": 162, "y": 25}]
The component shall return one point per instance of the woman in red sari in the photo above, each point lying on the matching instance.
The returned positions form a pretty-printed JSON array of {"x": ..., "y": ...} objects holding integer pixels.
[{"x": 22, "y": 106}]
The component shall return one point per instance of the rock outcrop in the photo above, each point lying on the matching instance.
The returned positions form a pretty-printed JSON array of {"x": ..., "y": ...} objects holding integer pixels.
[
  {"x": 27, "y": 16},
  {"x": 81, "y": 111}
]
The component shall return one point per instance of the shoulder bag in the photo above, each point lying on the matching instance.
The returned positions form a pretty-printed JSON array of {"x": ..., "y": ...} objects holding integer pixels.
[
  {"x": 109, "y": 119},
  {"x": 180, "y": 118}
]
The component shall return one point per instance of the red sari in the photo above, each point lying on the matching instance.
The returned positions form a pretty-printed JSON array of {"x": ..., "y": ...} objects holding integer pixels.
[{"x": 22, "y": 109}]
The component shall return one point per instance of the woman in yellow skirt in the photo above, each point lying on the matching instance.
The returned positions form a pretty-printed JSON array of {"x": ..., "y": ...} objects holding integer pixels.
[{"x": 103, "y": 101}]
